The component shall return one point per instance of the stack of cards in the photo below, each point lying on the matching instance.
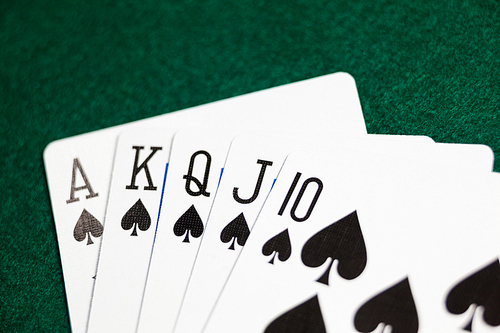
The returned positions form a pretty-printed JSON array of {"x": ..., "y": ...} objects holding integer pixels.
[{"x": 275, "y": 212}]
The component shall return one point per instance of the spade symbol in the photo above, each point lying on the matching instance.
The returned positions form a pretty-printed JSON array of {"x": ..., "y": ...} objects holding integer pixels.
[
  {"x": 278, "y": 244},
  {"x": 136, "y": 216},
  {"x": 237, "y": 229},
  {"x": 482, "y": 288},
  {"x": 342, "y": 241},
  {"x": 87, "y": 225},
  {"x": 190, "y": 221},
  {"x": 304, "y": 318},
  {"x": 394, "y": 306}
]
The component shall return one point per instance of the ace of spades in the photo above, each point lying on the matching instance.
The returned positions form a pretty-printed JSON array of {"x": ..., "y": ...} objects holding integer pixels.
[
  {"x": 133, "y": 208},
  {"x": 402, "y": 242}
]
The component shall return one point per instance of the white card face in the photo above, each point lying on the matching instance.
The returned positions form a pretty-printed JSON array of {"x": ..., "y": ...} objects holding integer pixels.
[
  {"x": 195, "y": 169},
  {"x": 251, "y": 168},
  {"x": 172, "y": 259},
  {"x": 476, "y": 158},
  {"x": 120, "y": 255},
  {"x": 140, "y": 167},
  {"x": 323, "y": 104},
  {"x": 363, "y": 243}
]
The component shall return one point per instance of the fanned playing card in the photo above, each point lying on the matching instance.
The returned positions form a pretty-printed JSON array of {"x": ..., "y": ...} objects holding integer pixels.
[
  {"x": 251, "y": 167},
  {"x": 195, "y": 171},
  {"x": 139, "y": 171},
  {"x": 196, "y": 166},
  {"x": 361, "y": 242},
  {"x": 79, "y": 168}
]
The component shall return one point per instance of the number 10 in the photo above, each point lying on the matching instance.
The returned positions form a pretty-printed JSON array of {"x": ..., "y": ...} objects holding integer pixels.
[{"x": 299, "y": 197}]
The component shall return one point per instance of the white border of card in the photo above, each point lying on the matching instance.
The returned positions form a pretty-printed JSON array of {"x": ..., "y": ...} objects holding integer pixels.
[
  {"x": 408, "y": 234},
  {"x": 79, "y": 168}
]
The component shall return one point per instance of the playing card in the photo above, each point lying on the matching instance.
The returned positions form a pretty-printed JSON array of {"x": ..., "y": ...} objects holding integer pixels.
[
  {"x": 186, "y": 218},
  {"x": 196, "y": 166},
  {"x": 251, "y": 168},
  {"x": 359, "y": 241},
  {"x": 79, "y": 168},
  {"x": 139, "y": 170}
]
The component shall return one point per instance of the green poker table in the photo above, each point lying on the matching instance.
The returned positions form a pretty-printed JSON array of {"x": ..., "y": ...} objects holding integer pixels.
[{"x": 68, "y": 67}]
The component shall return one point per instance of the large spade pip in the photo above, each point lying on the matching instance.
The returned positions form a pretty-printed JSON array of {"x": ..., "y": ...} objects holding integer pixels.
[
  {"x": 394, "y": 306},
  {"x": 304, "y": 318},
  {"x": 481, "y": 288},
  {"x": 342, "y": 241},
  {"x": 87, "y": 225}
]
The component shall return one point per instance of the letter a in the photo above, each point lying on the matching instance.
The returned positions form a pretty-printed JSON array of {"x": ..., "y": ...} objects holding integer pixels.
[{"x": 77, "y": 165}]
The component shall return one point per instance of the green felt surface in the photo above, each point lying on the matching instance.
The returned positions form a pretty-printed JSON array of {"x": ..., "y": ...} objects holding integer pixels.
[{"x": 68, "y": 67}]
